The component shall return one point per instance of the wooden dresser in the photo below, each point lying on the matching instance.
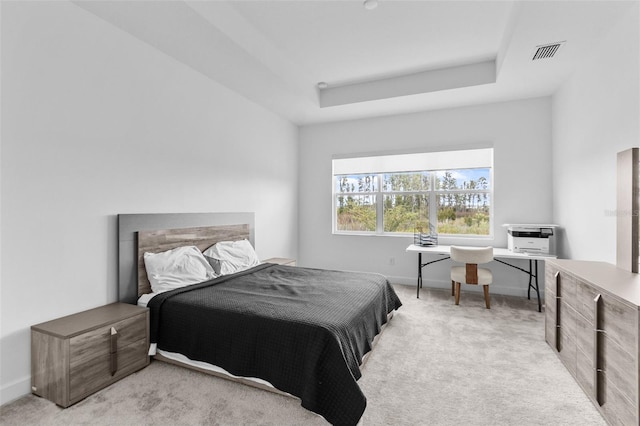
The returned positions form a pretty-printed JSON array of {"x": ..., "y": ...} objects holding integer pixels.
[
  {"x": 74, "y": 356},
  {"x": 592, "y": 322}
]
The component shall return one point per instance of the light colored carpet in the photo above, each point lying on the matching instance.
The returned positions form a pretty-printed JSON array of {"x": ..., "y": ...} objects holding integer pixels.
[{"x": 436, "y": 363}]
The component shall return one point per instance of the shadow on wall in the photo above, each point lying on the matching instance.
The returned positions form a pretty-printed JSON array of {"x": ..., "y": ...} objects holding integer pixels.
[
  {"x": 112, "y": 258},
  {"x": 563, "y": 248},
  {"x": 12, "y": 361}
]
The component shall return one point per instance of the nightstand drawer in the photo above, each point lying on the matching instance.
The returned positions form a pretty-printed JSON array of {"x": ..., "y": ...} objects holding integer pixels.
[
  {"x": 95, "y": 374},
  {"x": 97, "y": 342}
]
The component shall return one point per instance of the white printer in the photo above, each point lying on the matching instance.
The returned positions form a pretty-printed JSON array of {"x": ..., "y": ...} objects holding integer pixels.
[{"x": 531, "y": 238}]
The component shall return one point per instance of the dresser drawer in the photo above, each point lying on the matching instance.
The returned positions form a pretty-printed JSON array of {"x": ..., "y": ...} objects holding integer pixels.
[
  {"x": 618, "y": 365},
  {"x": 585, "y": 372},
  {"x": 94, "y": 374},
  {"x": 619, "y": 322},
  {"x": 97, "y": 343},
  {"x": 585, "y": 354},
  {"x": 567, "y": 287},
  {"x": 584, "y": 334},
  {"x": 550, "y": 317},
  {"x": 550, "y": 330},
  {"x": 549, "y": 279},
  {"x": 618, "y": 410},
  {"x": 567, "y": 336},
  {"x": 585, "y": 305}
]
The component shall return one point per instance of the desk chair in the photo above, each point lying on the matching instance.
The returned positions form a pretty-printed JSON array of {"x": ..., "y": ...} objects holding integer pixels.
[{"x": 470, "y": 273}]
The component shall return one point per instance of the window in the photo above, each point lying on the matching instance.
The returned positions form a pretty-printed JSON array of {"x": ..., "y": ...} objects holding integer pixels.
[
  {"x": 393, "y": 194},
  {"x": 356, "y": 202},
  {"x": 463, "y": 201}
]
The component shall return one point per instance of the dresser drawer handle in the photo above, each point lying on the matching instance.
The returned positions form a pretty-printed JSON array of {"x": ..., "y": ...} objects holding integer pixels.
[
  {"x": 114, "y": 351},
  {"x": 596, "y": 348},
  {"x": 558, "y": 307}
]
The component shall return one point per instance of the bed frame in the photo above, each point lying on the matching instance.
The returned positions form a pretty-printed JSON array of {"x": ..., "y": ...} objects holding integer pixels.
[
  {"x": 154, "y": 233},
  {"x": 142, "y": 233}
]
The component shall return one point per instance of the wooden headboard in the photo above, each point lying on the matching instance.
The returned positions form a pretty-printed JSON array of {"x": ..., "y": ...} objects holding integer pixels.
[
  {"x": 140, "y": 233},
  {"x": 167, "y": 239}
]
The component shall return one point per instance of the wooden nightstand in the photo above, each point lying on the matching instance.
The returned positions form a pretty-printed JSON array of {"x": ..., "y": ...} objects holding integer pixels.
[
  {"x": 77, "y": 355},
  {"x": 281, "y": 261}
]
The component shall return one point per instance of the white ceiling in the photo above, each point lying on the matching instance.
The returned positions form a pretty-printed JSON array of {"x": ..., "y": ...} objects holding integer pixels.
[
  {"x": 341, "y": 42},
  {"x": 275, "y": 52}
]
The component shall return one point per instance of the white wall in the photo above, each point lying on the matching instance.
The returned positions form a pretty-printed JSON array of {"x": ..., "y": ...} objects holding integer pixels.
[
  {"x": 595, "y": 115},
  {"x": 97, "y": 123},
  {"x": 520, "y": 133}
]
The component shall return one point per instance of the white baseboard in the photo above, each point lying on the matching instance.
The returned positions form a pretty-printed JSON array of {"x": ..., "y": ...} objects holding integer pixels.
[
  {"x": 493, "y": 288},
  {"x": 402, "y": 280},
  {"x": 15, "y": 390}
]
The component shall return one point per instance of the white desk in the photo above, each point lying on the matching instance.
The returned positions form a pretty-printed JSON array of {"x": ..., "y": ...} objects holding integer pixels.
[{"x": 498, "y": 252}]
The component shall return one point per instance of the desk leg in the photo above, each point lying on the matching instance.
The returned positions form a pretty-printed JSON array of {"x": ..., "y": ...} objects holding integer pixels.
[
  {"x": 533, "y": 281},
  {"x": 533, "y": 278},
  {"x": 530, "y": 279},
  {"x": 419, "y": 283},
  {"x": 537, "y": 287}
]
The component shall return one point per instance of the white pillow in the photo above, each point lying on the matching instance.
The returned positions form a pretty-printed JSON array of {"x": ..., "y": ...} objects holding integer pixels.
[
  {"x": 177, "y": 268},
  {"x": 233, "y": 256}
]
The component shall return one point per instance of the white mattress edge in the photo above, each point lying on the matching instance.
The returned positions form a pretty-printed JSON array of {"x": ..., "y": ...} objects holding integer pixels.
[{"x": 210, "y": 367}]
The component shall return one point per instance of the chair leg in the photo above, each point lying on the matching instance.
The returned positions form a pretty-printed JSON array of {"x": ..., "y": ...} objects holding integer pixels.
[
  {"x": 453, "y": 291},
  {"x": 486, "y": 296},
  {"x": 457, "y": 293}
]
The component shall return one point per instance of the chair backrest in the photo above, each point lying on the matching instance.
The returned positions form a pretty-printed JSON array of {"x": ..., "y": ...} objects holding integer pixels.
[{"x": 474, "y": 255}]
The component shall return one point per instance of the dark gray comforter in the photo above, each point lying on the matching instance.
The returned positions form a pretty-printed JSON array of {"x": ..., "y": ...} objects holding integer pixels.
[{"x": 303, "y": 330}]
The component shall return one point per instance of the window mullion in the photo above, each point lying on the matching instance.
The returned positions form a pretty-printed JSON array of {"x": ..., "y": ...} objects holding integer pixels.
[
  {"x": 433, "y": 209},
  {"x": 379, "y": 206}
]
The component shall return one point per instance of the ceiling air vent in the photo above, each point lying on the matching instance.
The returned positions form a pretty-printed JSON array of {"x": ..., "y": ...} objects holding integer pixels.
[{"x": 546, "y": 50}]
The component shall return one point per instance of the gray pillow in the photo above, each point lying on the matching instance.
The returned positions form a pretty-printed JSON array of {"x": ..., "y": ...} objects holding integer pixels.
[{"x": 215, "y": 264}]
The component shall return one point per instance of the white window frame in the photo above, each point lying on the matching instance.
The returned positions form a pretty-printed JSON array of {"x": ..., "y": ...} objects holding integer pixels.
[{"x": 432, "y": 192}]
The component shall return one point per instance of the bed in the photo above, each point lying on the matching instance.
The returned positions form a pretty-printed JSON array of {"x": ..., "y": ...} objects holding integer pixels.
[{"x": 302, "y": 331}]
